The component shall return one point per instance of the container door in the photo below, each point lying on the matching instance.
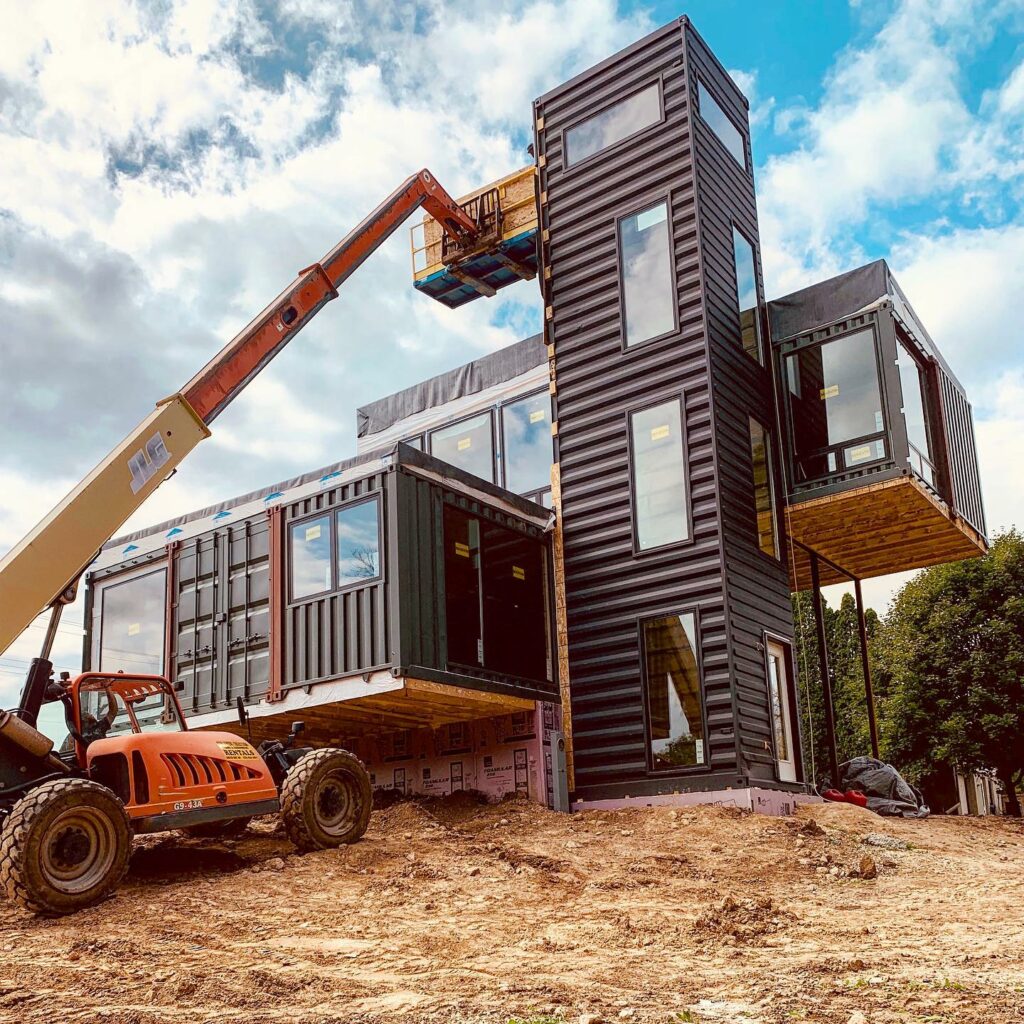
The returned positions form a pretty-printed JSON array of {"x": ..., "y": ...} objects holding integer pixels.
[
  {"x": 456, "y": 776},
  {"x": 779, "y": 695},
  {"x": 196, "y": 602}
]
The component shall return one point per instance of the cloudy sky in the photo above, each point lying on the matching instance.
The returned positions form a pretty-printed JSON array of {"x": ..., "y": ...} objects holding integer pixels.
[{"x": 168, "y": 166}]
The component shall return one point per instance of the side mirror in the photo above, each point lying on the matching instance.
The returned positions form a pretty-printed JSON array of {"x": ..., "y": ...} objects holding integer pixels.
[
  {"x": 298, "y": 727},
  {"x": 243, "y": 715}
]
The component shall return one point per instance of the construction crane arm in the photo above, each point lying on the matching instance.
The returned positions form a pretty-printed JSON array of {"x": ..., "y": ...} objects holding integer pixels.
[{"x": 42, "y": 570}]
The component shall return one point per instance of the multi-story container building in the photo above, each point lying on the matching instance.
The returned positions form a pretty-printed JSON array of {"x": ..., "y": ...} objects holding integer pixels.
[{"x": 586, "y": 541}]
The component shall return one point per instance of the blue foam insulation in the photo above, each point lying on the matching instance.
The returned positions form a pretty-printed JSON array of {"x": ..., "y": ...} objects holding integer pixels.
[{"x": 486, "y": 267}]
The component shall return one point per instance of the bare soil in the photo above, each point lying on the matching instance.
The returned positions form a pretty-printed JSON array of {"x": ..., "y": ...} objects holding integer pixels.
[{"x": 457, "y": 912}]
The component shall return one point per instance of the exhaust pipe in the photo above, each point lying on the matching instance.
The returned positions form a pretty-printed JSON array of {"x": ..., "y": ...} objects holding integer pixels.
[{"x": 22, "y": 735}]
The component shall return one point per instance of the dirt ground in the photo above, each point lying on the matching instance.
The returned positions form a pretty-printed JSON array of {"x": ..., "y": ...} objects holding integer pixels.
[{"x": 457, "y": 912}]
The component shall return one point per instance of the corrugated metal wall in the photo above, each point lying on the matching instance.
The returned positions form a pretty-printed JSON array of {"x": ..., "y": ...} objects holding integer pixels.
[
  {"x": 607, "y": 588},
  {"x": 962, "y": 453},
  {"x": 757, "y": 585}
]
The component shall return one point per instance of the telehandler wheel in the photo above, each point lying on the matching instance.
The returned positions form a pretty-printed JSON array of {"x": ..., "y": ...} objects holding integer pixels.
[
  {"x": 326, "y": 799},
  {"x": 65, "y": 846},
  {"x": 229, "y": 829}
]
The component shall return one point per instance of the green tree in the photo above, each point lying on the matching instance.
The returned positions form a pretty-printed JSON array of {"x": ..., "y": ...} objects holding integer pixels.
[{"x": 953, "y": 653}]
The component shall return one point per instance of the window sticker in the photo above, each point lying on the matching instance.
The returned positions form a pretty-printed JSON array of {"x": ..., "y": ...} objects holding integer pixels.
[
  {"x": 660, "y": 433},
  {"x": 518, "y": 572},
  {"x": 462, "y": 550},
  {"x": 860, "y": 454},
  {"x": 313, "y": 532},
  {"x": 830, "y": 392},
  {"x": 537, "y": 416},
  {"x": 134, "y": 628},
  {"x": 464, "y": 443}
]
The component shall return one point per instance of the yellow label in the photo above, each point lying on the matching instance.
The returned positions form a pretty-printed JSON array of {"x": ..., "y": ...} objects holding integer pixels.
[
  {"x": 462, "y": 550},
  {"x": 313, "y": 532},
  {"x": 658, "y": 433},
  {"x": 829, "y": 392},
  {"x": 464, "y": 443},
  {"x": 134, "y": 629},
  {"x": 238, "y": 751},
  {"x": 518, "y": 572},
  {"x": 861, "y": 453},
  {"x": 536, "y": 416}
]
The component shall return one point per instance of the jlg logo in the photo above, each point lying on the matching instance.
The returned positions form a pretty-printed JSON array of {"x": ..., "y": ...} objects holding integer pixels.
[{"x": 145, "y": 463}]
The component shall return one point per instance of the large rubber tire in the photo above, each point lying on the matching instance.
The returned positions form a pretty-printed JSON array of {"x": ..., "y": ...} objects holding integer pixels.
[
  {"x": 64, "y": 846},
  {"x": 326, "y": 800},
  {"x": 230, "y": 829}
]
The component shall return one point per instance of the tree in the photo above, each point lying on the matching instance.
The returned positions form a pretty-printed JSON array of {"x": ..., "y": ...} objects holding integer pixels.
[{"x": 953, "y": 652}]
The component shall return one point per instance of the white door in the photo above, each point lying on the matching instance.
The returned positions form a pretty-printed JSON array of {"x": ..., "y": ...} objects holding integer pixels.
[{"x": 778, "y": 696}]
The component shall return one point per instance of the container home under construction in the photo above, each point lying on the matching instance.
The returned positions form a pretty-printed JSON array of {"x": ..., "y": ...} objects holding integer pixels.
[{"x": 565, "y": 569}]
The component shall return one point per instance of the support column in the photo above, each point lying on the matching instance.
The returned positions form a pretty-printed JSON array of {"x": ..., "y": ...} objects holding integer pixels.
[
  {"x": 866, "y": 669},
  {"x": 826, "y": 676}
]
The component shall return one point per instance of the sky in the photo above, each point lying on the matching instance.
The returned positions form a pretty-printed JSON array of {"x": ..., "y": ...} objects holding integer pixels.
[{"x": 168, "y": 166}]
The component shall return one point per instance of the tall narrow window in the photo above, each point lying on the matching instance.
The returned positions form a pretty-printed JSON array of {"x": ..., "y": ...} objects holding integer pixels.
[
  {"x": 132, "y": 625},
  {"x": 764, "y": 492},
  {"x": 613, "y": 124},
  {"x": 526, "y": 436},
  {"x": 722, "y": 125},
  {"x": 912, "y": 387},
  {"x": 746, "y": 294},
  {"x": 648, "y": 294},
  {"x": 468, "y": 445},
  {"x": 311, "y": 557},
  {"x": 660, "y": 506},
  {"x": 672, "y": 678},
  {"x": 358, "y": 542}
]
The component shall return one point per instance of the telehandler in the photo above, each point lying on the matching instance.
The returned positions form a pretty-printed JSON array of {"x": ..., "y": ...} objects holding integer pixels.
[{"x": 130, "y": 764}]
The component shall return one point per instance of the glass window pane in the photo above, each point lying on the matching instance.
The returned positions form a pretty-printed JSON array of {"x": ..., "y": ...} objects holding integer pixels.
[
  {"x": 775, "y": 674},
  {"x": 659, "y": 485},
  {"x": 468, "y": 445},
  {"x": 415, "y": 442},
  {"x": 526, "y": 431},
  {"x": 746, "y": 293},
  {"x": 834, "y": 396},
  {"x": 132, "y": 625},
  {"x": 721, "y": 124},
  {"x": 764, "y": 492},
  {"x": 612, "y": 125},
  {"x": 311, "y": 557},
  {"x": 462, "y": 587},
  {"x": 913, "y": 400},
  {"x": 648, "y": 294},
  {"x": 858, "y": 454},
  {"x": 358, "y": 542},
  {"x": 675, "y": 725}
]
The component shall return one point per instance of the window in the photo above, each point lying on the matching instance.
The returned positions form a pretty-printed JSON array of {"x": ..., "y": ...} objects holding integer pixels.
[
  {"x": 132, "y": 625},
  {"x": 672, "y": 678},
  {"x": 469, "y": 445},
  {"x": 358, "y": 542},
  {"x": 660, "y": 508},
  {"x": 746, "y": 294},
  {"x": 912, "y": 387},
  {"x": 613, "y": 124},
  {"x": 836, "y": 405},
  {"x": 645, "y": 258},
  {"x": 764, "y": 492},
  {"x": 311, "y": 557},
  {"x": 526, "y": 438},
  {"x": 415, "y": 442},
  {"x": 721, "y": 124}
]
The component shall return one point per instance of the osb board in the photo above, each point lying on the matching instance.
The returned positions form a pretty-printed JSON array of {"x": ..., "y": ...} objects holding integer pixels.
[
  {"x": 518, "y": 204},
  {"x": 562, "y": 626},
  {"x": 886, "y": 527},
  {"x": 417, "y": 704}
]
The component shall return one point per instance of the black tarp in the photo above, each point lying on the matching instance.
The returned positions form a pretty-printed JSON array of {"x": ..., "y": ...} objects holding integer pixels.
[{"x": 887, "y": 791}]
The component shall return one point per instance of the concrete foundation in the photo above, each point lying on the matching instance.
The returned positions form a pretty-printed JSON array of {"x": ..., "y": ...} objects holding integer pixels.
[{"x": 762, "y": 801}]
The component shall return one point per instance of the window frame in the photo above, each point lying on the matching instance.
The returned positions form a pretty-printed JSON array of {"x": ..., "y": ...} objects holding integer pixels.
[
  {"x": 773, "y": 493},
  {"x": 703, "y": 765},
  {"x": 501, "y": 453},
  {"x": 570, "y": 166},
  {"x": 759, "y": 360},
  {"x": 489, "y": 412},
  {"x": 634, "y": 211},
  {"x": 793, "y": 698},
  {"x": 331, "y": 512},
  {"x": 744, "y": 135},
  {"x": 688, "y": 540},
  {"x": 130, "y": 575},
  {"x": 924, "y": 381}
]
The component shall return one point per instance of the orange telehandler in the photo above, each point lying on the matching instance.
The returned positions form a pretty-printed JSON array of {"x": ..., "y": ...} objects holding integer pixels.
[{"x": 130, "y": 764}]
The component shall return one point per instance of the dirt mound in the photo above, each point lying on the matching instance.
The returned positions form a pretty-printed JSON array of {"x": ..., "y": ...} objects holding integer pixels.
[
  {"x": 846, "y": 817},
  {"x": 743, "y": 919}
]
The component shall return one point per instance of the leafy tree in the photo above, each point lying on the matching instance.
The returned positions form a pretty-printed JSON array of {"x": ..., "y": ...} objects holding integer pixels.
[{"x": 953, "y": 653}]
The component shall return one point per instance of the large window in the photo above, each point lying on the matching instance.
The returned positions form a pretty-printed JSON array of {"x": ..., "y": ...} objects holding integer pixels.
[
  {"x": 613, "y": 124},
  {"x": 722, "y": 125},
  {"x": 526, "y": 442},
  {"x": 672, "y": 678},
  {"x": 836, "y": 406},
  {"x": 352, "y": 533},
  {"x": 132, "y": 625},
  {"x": 746, "y": 294},
  {"x": 645, "y": 258},
  {"x": 468, "y": 445},
  {"x": 764, "y": 492},
  {"x": 660, "y": 506},
  {"x": 912, "y": 386}
]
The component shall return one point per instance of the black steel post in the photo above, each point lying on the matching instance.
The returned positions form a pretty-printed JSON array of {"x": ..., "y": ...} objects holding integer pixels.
[
  {"x": 866, "y": 668},
  {"x": 826, "y": 677}
]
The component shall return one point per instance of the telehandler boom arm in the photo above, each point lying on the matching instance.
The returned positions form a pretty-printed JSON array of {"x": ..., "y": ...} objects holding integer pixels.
[{"x": 42, "y": 570}]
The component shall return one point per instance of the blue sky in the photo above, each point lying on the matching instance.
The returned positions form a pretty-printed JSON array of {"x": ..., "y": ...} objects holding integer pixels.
[{"x": 169, "y": 166}]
